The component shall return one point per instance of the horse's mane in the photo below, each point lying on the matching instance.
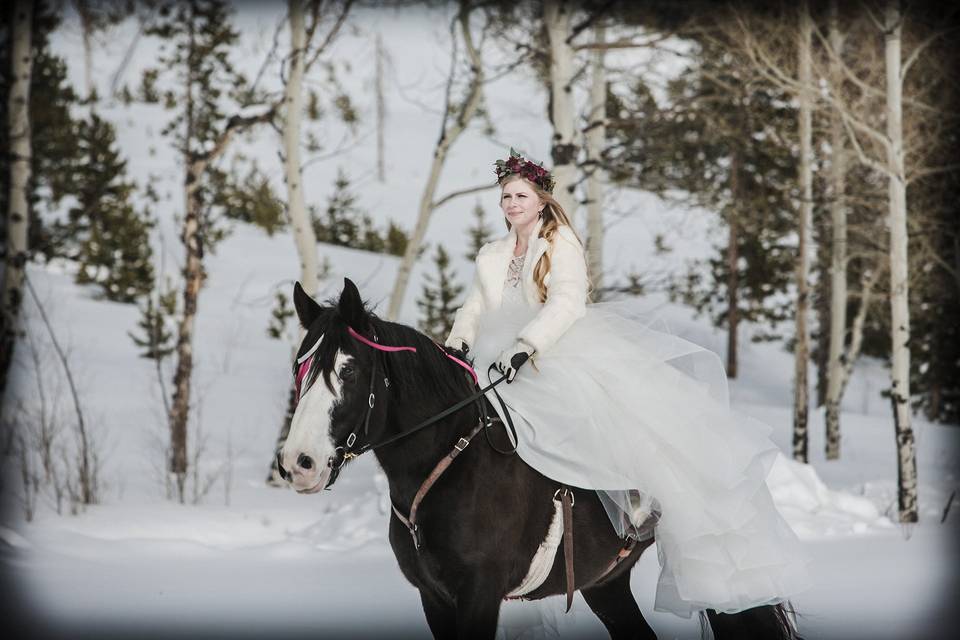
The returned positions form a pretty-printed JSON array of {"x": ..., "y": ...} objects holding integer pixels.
[{"x": 428, "y": 371}]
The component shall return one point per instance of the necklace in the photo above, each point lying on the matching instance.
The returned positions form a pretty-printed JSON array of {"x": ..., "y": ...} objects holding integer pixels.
[{"x": 516, "y": 267}]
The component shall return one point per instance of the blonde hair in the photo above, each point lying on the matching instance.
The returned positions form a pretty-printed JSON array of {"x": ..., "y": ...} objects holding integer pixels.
[{"x": 553, "y": 217}]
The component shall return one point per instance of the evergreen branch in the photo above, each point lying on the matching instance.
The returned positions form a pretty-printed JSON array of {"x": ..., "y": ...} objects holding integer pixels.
[{"x": 462, "y": 192}]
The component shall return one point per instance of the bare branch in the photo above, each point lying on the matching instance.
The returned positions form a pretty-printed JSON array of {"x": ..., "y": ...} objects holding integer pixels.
[
  {"x": 85, "y": 466},
  {"x": 461, "y": 192},
  {"x": 330, "y": 35},
  {"x": 930, "y": 171}
]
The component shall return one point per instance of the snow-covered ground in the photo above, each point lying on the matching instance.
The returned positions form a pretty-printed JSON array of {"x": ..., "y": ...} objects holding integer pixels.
[{"x": 250, "y": 560}]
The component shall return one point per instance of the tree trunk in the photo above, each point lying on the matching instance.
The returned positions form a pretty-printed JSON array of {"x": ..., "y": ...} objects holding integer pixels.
[
  {"x": 801, "y": 348},
  {"x": 563, "y": 151},
  {"x": 18, "y": 214},
  {"x": 899, "y": 310},
  {"x": 596, "y": 135},
  {"x": 303, "y": 236},
  {"x": 838, "y": 263},
  {"x": 86, "y": 27},
  {"x": 192, "y": 274},
  {"x": 381, "y": 112},
  {"x": 733, "y": 267},
  {"x": 447, "y": 138}
]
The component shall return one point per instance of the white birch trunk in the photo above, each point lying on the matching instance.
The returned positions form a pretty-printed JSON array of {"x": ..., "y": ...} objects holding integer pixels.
[
  {"x": 303, "y": 235},
  {"x": 427, "y": 202},
  {"x": 18, "y": 213},
  {"x": 899, "y": 310},
  {"x": 86, "y": 25},
  {"x": 563, "y": 151},
  {"x": 381, "y": 112},
  {"x": 838, "y": 259},
  {"x": 801, "y": 348},
  {"x": 596, "y": 135}
]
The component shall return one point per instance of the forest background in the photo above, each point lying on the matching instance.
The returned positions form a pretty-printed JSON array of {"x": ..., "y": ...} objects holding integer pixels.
[{"x": 786, "y": 172}]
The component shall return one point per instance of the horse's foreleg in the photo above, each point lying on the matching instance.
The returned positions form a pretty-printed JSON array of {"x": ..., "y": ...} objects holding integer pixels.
[
  {"x": 441, "y": 615},
  {"x": 478, "y": 609},
  {"x": 614, "y": 604}
]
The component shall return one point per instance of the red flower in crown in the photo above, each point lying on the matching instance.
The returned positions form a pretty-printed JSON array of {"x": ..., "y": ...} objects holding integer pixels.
[{"x": 517, "y": 164}]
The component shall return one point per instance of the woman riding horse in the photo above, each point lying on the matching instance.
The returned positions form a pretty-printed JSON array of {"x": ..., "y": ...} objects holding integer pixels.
[{"x": 628, "y": 424}]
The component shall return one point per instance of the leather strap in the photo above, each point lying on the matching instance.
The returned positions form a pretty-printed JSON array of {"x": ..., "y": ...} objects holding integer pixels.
[
  {"x": 624, "y": 553},
  {"x": 425, "y": 487},
  {"x": 566, "y": 498}
]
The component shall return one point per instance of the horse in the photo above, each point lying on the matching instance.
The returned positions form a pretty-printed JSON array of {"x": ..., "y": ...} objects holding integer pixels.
[{"x": 362, "y": 383}]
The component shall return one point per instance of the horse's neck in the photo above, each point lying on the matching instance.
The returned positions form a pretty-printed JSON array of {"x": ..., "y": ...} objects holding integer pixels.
[{"x": 408, "y": 461}]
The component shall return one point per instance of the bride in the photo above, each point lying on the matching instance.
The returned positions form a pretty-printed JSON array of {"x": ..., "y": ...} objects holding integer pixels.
[{"x": 641, "y": 416}]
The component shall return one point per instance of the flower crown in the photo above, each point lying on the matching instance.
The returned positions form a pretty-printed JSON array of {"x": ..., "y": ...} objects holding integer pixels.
[{"x": 517, "y": 164}]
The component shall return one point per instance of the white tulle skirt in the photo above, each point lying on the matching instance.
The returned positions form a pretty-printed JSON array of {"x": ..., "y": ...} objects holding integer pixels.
[{"x": 616, "y": 405}]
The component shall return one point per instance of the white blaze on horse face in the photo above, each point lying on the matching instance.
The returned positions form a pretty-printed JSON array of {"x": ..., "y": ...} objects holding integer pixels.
[{"x": 309, "y": 436}]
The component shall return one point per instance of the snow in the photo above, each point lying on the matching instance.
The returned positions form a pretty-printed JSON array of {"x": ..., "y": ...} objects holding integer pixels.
[{"x": 248, "y": 559}]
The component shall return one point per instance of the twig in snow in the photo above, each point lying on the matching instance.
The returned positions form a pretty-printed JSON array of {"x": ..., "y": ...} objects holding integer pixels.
[{"x": 946, "y": 509}]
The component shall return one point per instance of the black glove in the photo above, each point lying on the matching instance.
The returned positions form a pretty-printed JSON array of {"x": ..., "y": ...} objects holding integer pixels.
[{"x": 513, "y": 358}]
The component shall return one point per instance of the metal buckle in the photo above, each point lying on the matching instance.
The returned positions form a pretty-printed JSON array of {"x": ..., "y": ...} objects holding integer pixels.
[
  {"x": 461, "y": 444},
  {"x": 371, "y": 400},
  {"x": 351, "y": 439},
  {"x": 415, "y": 534}
]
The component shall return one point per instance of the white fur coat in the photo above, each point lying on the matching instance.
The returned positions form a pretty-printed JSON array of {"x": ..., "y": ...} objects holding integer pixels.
[{"x": 566, "y": 284}]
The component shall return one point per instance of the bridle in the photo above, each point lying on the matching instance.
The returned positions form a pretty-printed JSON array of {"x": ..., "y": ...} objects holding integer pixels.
[{"x": 346, "y": 451}]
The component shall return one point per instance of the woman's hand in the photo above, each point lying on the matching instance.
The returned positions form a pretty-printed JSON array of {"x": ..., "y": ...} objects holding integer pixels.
[
  {"x": 513, "y": 358},
  {"x": 457, "y": 344}
]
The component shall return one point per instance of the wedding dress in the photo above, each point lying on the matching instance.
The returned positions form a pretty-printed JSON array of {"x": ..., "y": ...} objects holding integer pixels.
[{"x": 617, "y": 406}]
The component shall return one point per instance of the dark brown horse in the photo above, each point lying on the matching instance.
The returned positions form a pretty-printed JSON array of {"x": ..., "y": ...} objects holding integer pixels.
[{"x": 483, "y": 520}]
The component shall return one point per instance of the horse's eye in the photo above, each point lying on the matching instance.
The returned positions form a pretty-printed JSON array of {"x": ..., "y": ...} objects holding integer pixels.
[{"x": 346, "y": 372}]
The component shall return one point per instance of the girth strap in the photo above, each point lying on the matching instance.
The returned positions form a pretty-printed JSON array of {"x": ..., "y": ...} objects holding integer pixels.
[
  {"x": 411, "y": 522},
  {"x": 566, "y": 498}
]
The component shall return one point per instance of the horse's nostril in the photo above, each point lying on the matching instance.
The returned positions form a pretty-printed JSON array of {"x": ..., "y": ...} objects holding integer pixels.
[{"x": 304, "y": 461}]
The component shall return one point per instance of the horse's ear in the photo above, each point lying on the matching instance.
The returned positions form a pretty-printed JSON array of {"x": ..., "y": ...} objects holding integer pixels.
[
  {"x": 351, "y": 306},
  {"x": 307, "y": 308}
]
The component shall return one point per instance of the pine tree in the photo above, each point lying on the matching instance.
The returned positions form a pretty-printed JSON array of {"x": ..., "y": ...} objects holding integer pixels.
[
  {"x": 341, "y": 223},
  {"x": 344, "y": 223},
  {"x": 279, "y": 315},
  {"x": 701, "y": 148},
  {"x": 250, "y": 199},
  {"x": 479, "y": 233},
  {"x": 104, "y": 233},
  {"x": 203, "y": 82},
  {"x": 438, "y": 298},
  {"x": 156, "y": 338},
  {"x": 396, "y": 240}
]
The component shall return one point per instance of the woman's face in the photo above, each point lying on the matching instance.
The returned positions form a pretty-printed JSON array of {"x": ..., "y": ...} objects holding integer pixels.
[{"x": 520, "y": 203}]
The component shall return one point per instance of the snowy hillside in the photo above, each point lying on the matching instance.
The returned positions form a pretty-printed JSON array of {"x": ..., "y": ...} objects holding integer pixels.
[{"x": 251, "y": 560}]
